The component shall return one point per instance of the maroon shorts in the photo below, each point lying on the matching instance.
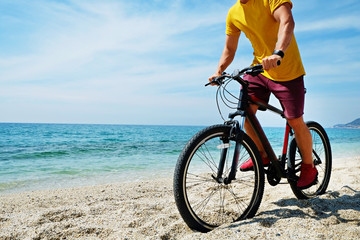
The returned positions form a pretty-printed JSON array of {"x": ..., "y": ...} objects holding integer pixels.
[{"x": 291, "y": 94}]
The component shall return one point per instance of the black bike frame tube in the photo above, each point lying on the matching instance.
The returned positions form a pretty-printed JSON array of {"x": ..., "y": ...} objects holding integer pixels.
[
  {"x": 264, "y": 140},
  {"x": 267, "y": 106}
]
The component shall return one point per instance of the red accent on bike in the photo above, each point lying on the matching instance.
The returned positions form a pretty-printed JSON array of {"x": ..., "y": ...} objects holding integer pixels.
[
  {"x": 257, "y": 100},
  {"x": 286, "y": 139}
]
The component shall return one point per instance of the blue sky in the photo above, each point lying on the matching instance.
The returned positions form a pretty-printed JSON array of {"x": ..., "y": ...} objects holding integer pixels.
[{"x": 146, "y": 62}]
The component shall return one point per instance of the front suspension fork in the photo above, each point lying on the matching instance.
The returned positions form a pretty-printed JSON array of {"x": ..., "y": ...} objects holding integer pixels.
[{"x": 238, "y": 133}]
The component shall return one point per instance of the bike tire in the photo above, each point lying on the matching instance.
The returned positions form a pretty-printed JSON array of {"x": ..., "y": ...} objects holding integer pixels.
[
  {"x": 205, "y": 204},
  {"x": 322, "y": 159}
]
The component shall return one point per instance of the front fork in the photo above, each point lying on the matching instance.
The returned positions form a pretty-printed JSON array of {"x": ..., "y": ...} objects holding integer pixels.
[{"x": 237, "y": 133}]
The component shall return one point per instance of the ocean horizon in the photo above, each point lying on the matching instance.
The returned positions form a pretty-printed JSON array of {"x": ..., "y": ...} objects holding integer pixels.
[{"x": 37, "y": 156}]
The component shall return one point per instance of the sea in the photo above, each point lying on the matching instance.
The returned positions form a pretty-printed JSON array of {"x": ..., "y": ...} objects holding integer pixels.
[{"x": 51, "y": 156}]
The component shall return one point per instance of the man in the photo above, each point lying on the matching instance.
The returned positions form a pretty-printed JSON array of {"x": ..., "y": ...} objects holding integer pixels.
[{"x": 269, "y": 26}]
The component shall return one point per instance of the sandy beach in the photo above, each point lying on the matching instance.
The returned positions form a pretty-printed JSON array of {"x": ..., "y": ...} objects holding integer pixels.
[{"x": 146, "y": 210}]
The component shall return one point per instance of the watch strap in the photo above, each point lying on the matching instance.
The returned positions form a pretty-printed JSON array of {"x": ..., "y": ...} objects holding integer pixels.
[{"x": 279, "y": 53}]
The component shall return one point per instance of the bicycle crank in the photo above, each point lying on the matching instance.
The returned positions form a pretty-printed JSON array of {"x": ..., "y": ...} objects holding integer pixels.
[{"x": 271, "y": 176}]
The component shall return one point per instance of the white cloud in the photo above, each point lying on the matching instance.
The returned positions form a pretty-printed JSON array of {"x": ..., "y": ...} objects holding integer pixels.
[
  {"x": 71, "y": 39},
  {"x": 111, "y": 62},
  {"x": 332, "y": 24},
  {"x": 96, "y": 54}
]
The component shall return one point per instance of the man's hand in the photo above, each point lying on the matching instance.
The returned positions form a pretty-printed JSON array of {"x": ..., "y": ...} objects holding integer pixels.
[
  {"x": 212, "y": 77},
  {"x": 271, "y": 62}
]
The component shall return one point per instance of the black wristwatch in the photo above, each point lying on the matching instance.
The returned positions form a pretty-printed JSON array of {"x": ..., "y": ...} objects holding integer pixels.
[{"x": 279, "y": 53}]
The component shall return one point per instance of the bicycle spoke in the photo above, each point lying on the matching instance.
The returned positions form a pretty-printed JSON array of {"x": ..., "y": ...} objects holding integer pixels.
[
  {"x": 317, "y": 158},
  {"x": 203, "y": 157},
  {"x": 201, "y": 205},
  {"x": 243, "y": 157},
  {"x": 245, "y": 181},
  {"x": 236, "y": 199},
  {"x": 195, "y": 179},
  {"x": 221, "y": 206},
  {"x": 212, "y": 159}
]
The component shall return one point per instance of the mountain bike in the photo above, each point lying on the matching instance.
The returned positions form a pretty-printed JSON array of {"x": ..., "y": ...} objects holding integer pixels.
[{"x": 210, "y": 190}]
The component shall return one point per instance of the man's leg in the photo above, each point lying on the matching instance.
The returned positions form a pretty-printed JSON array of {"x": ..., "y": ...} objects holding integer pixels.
[
  {"x": 308, "y": 175},
  {"x": 248, "y": 165},
  {"x": 250, "y": 131},
  {"x": 303, "y": 139},
  {"x": 257, "y": 88}
]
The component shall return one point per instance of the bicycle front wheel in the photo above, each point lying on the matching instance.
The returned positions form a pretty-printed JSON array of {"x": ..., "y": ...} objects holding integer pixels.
[
  {"x": 322, "y": 160},
  {"x": 203, "y": 201}
]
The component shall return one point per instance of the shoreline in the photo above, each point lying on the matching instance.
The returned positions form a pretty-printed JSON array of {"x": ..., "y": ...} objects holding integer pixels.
[
  {"x": 84, "y": 182},
  {"x": 119, "y": 178},
  {"x": 147, "y": 210}
]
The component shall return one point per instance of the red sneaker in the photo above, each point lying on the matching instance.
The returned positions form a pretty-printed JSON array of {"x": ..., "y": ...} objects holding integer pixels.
[
  {"x": 308, "y": 176},
  {"x": 248, "y": 165}
]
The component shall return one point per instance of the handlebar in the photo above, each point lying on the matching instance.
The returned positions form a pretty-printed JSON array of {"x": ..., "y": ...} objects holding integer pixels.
[{"x": 253, "y": 71}]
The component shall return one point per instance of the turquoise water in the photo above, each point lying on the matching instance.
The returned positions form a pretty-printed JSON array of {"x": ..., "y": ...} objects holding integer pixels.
[{"x": 47, "y": 156}]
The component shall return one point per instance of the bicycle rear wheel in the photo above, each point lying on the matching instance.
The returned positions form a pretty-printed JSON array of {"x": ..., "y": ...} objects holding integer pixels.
[
  {"x": 322, "y": 160},
  {"x": 205, "y": 203}
]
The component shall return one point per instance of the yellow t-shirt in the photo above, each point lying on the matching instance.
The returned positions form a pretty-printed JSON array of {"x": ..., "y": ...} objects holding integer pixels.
[{"x": 255, "y": 19}]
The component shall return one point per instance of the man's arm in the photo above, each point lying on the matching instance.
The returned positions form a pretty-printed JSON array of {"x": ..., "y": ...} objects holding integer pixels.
[
  {"x": 284, "y": 16},
  {"x": 227, "y": 56}
]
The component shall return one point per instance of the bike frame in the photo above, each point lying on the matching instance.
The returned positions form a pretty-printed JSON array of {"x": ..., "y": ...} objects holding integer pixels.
[
  {"x": 279, "y": 163},
  {"x": 244, "y": 109}
]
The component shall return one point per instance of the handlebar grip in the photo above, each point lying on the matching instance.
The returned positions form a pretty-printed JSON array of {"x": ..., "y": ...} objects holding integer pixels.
[
  {"x": 214, "y": 81},
  {"x": 217, "y": 80},
  {"x": 260, "y": 66}
]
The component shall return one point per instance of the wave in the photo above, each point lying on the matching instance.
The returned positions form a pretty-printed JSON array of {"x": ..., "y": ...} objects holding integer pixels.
[{"x": 40, "y": 154}]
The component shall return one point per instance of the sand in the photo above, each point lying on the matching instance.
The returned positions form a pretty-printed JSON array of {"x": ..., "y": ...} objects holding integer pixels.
[{"x": 146, "y": 210}]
